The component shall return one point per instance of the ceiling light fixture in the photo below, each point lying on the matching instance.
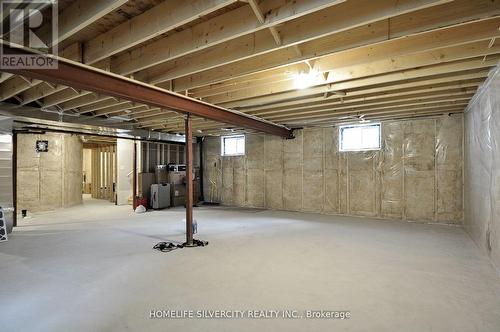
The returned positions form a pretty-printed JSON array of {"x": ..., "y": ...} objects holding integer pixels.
[
  {"x": 308, "y": 78},
  {"x": 305, "y": 80}
]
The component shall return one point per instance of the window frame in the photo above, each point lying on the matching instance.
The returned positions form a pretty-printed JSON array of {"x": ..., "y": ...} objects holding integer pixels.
[
  {"x": 371, "y": 124},
  {"x": 222, "y": 141}
]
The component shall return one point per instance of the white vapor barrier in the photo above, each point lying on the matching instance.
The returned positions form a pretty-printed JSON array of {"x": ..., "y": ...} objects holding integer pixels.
[
  {"x": 6, "y": 183},
  {"x": 49, "y": 180},
  {"x": 482, "y": 168},
  {"x": 415, "y": 176}
]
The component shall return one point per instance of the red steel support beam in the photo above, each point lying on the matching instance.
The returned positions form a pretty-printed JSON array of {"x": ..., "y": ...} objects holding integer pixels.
[
  {"x": 84, "y": 77},
  {"x": 189, "y": 181},
  {"x": 134, "y": 177}
]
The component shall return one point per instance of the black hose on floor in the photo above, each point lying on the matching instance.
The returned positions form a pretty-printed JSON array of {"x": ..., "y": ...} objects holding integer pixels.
[{"x": 170, "y": 246}]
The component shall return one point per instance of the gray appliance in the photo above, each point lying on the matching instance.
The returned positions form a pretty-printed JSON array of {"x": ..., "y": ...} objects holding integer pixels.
[{"x": 160, "y": 196}]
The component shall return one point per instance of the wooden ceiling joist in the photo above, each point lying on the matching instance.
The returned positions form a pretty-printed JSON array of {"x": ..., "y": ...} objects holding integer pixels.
[
  {"x": 165, "y": 17},
  {"x": 284, "y": 79},
  {"x": 116, "y": 110},
  {"x": 83, "y": 99},
  {"x": 406, "y": 88},
  {"x": 191, "y": 74},
  {"x": 394, "y": 78},
  {"x": 453, "y": 36},
  {"x": 334, "y": 20},
  {"x": 339, "y": 73},
  {"x": 422, "y": 102},
  {"x": 236, "y": 23},
  {"x": 460, "y": 80},
  {"x": 39, "y": 92},
  {"x": 90, "y": 79},
  {"x": 367, "y": 102},
  {"x": 60, "y": 97},
  {"x": 78, "y": 16}
]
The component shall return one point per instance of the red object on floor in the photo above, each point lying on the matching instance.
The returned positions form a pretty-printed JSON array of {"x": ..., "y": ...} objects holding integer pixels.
[{"x": 140, "y": 201}]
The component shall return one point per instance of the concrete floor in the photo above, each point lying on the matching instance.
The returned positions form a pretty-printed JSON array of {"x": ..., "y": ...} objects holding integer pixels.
[{"x": 91, "y": 268}]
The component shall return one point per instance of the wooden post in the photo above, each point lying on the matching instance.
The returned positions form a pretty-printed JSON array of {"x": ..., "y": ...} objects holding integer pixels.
[{"x": 189, "y": 181}]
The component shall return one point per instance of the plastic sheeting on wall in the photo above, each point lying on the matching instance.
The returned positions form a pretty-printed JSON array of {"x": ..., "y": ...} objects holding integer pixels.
[
  {"x": 49, "y": 180},
  {"x": 417, "y": 175},
  {"x": 482, "y": 166},
  {"x": 6, "y": 183}
]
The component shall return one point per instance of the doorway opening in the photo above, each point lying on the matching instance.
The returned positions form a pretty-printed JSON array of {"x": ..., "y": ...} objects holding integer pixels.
[{"x": 99, "y": 168}]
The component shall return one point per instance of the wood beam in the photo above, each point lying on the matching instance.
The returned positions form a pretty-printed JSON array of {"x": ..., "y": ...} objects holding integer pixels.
[
  {"x": 391, "y": 78},
  {"x": 137, "y": 113},
  {"x": 409, "y": 112},
  {"x": 262, "y": 20},
  {"x": 458, "y": 102},
  {"x": 362, "y": 102},
  {"x": 91, "y": 79},
  {"x": 341, "y": 73},
  {"x": 105, "y": 103},
  {"x": 120, "y": 110},
  {"x": 162, "y": 18},
  {"x": 213, "y": 66},
  {"x": 382, "y": 108},
  {"x": 219, "y": 29},
  {"x": 38, "y": 92},
  {"x": 162, "y": 114},
  {"x": 280, "y": 75},
  {"x": 79, "y": 15},
  {"x": 372, "y": 96},
  {"x": 16, "y": 85},
  {"x": 61, "y": 97},
  {"x": 4, "y": 76},
  {"x": 330, "y": 21},
  {"x": 83, "y": 99},
  {"x": 453, "y": 79}
]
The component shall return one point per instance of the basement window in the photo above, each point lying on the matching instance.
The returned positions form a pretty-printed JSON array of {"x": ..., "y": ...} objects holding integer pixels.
[
  {"x": 360, "y": 137},
  {"x": 233, "y": 145}
]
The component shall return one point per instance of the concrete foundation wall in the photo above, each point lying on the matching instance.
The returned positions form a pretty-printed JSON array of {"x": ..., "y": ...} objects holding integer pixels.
[
  {"x": 49, "y": 180},
  {"x": 482, "y": 169},
  {"x": 416, "y": 176}
]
